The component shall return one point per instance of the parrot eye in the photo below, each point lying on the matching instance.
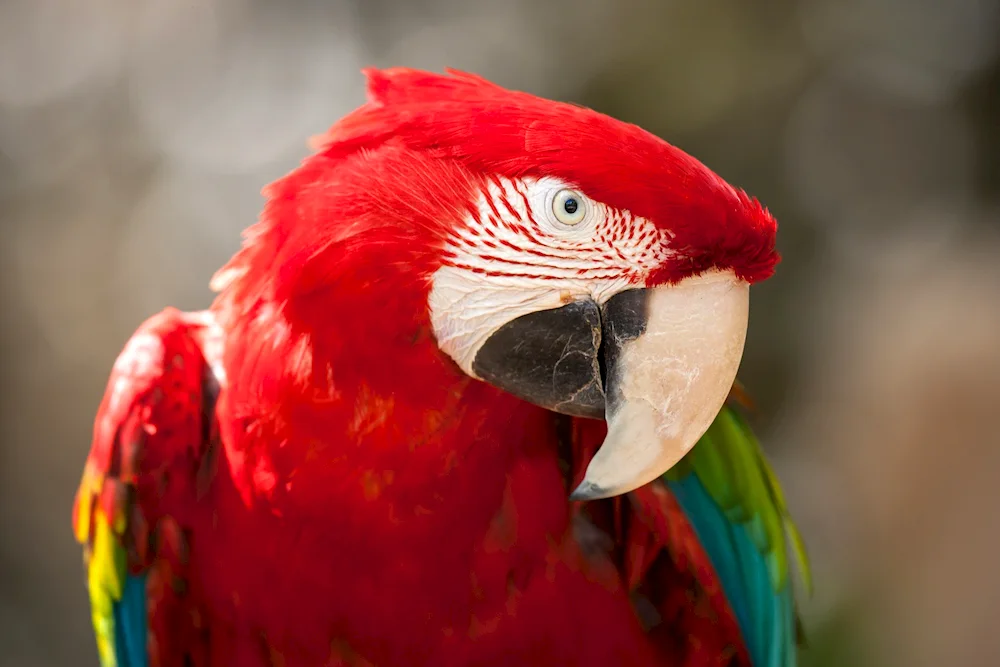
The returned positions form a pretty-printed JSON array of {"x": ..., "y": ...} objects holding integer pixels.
[{"x": 569, "y": 207}]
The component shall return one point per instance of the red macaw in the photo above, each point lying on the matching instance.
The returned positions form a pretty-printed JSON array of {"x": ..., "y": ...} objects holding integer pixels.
[{"x": 469, "y": 303}]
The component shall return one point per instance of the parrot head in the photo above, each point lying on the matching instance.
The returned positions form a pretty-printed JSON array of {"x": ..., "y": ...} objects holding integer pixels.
[{"x": 575, "y": 261}]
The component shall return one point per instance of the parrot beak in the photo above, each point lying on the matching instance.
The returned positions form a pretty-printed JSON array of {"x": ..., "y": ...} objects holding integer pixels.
[
  {"x": 671, "y": 354},
  {"x": 657, "y": 364}
]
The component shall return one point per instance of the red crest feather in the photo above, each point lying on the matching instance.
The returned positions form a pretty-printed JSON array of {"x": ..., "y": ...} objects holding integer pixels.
[
  {"x": 493, "y": 130},
  {"x": 425, "y": 135}
]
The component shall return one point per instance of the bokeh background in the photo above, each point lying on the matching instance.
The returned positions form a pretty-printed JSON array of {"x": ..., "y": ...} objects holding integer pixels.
[{"x": 135, "y": 136}]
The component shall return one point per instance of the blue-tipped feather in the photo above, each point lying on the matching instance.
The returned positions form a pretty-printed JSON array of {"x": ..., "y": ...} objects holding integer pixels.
[
  {"x": 766, "y": 617},
  {"x": 130, "y": 623}
]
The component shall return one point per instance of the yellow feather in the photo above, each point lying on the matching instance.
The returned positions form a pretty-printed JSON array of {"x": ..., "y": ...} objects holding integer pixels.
[
  {"x": 89, "y": 486},
  {"x": 105, "y": 581}
]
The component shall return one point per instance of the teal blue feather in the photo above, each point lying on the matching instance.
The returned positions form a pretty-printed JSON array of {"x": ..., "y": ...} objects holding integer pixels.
[
  {"x": 130, "y": 623},
  {"x": 765, "y": 616},
  {"x": 735, "y": 505}
]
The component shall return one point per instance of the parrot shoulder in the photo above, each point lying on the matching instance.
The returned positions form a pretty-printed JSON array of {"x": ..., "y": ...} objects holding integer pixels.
[{"x": 149, "y": 460}]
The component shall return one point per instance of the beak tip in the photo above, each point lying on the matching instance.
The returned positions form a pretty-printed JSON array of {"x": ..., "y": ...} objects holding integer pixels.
[{"x": 588, "y": 491}]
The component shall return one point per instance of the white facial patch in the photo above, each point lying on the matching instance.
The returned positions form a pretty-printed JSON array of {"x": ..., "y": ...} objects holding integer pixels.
[{"x": 519, "y": 254}]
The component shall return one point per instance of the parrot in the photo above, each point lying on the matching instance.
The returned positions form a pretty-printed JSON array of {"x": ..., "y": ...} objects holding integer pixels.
[{"x": 466, "y": 395}]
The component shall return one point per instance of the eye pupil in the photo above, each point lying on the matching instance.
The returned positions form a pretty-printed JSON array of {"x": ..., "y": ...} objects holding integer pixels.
[{"x": 569, "y": 207}]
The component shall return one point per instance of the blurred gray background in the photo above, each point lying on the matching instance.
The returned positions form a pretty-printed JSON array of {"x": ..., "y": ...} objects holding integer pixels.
[{"x": 135, "y": 136}]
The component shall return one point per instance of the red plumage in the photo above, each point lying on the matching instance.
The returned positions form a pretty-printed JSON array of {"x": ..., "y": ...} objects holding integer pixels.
[
  {"x": 492, "y": 130},
  {"x": 364, "y": 501}
]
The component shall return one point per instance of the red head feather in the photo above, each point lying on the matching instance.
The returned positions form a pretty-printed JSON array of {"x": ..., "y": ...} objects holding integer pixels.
[
  {"x": 492, "y": 130},
  {"x": 401, "y": 166}
]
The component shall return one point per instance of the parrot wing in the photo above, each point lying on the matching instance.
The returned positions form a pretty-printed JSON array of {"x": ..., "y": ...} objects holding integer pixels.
[
  {"x": 140, "y": 482},
  {"x": 736, "y": 507},
  {"x": 707, "y": 546}
]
